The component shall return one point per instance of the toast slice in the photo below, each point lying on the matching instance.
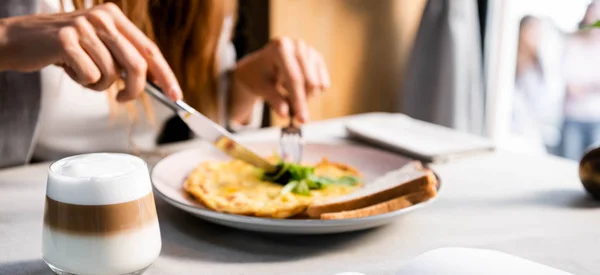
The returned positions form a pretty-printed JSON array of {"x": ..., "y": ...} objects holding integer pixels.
[
  {"x": 408, "y": 179},
  {"x": 385, "y": 207}
]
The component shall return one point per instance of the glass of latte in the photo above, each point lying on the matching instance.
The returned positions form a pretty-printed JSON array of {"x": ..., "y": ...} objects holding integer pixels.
[{"x": 100, "y": 216}]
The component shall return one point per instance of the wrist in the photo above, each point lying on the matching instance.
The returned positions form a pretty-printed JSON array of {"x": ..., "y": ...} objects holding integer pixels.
[
  {"x": 239, "y": 88},
  {"x": 241, "y": 100}
]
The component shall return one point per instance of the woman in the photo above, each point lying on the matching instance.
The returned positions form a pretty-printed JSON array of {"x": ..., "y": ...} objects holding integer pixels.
[
  {"x": 529, "y": 84},
  {"x": 539, "y": 87},
  {"x": 582, "y": 116},
  {"x": 93, "y": 45}
]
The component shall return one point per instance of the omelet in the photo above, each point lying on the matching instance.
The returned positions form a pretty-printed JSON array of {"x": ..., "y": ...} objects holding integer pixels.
[{"x": 236, "y": 187}]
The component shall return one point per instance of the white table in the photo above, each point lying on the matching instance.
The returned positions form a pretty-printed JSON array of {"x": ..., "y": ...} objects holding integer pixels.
[{"x": 530, "y": 206}]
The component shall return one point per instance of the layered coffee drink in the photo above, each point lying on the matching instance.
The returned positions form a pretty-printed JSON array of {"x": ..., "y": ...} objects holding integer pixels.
[{"x": 100, "y": 216}]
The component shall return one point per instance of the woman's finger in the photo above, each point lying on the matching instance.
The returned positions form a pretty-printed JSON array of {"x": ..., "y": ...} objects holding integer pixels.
[
  {"x": 293, "y": 79},
  {"x": 322, "y": 71},
  {"x": 158, "y": 67},
  {"x": 309, "y": 70},
  {"x": 125, "y": 53},
  {"x": 94, "y": 47},
  {"x": 80, "y": 66},
  {"x": 276, "y": 101}
]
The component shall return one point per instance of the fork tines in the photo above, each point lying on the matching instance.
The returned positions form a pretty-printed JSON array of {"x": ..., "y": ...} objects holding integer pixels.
[{"x": 291, "y": 143}]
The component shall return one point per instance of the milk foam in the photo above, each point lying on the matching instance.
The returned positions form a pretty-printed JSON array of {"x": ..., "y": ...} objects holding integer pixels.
[
  {"x": 98, "y": 179},
  {"x": 96, "y": 166}
]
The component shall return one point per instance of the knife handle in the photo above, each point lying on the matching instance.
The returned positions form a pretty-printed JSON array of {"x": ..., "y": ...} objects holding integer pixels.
[{"x": 158, "y": 94}]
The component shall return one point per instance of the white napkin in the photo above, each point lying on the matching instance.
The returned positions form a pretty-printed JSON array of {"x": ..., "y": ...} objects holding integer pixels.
[
  {"x": 469, "y": 261},
  {"x": 414, "y": 138}
]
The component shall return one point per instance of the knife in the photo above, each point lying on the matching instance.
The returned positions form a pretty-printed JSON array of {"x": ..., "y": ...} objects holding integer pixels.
[{"x": 209, "y": 130}]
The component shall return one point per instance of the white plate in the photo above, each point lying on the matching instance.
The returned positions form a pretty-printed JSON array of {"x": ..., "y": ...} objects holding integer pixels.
[{"x": 169, "y": 174}]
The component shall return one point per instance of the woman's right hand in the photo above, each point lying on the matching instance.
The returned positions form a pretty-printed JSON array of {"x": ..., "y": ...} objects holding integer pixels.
[{"x": 92, "y": 45}]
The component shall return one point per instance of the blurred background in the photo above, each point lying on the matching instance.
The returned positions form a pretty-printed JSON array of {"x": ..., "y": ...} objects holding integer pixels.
[{"x": 521, "y": 72}]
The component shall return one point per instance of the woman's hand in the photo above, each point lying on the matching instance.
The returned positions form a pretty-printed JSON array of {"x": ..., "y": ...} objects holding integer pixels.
[
  {"x": 93, "y": 46},
  {"x": 283, "y": 64}
]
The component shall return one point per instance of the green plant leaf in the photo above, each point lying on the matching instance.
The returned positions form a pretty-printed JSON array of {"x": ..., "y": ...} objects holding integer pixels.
[
  {"x": 289, "y": 187},
  {"x": 345, "y": 180},
  {"x": 282, "y": 169},
  {"x": 313, "y": 184},
  {"x": 321, "y": 180},
  {"x": 301, "y": 179},
  {"x": 349, "y": 180},
  {"x": 592, "y": 26},
  {"x": 299, "y": 172},
  {"x": 302, "y": 188}
]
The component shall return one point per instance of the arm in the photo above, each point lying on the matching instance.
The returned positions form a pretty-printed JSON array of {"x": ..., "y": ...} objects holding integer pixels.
[
  {"x": 241, "y": 100},
  {"x": 92, "y": 45},
  {"x": 582, "y": 88}
]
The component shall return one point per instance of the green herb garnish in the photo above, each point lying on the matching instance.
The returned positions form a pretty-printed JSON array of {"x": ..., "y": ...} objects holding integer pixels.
[
  {"x": 591, "y": 26},
  {"x": 289, "y": 187},
  {"x": 300, "y": 179}
]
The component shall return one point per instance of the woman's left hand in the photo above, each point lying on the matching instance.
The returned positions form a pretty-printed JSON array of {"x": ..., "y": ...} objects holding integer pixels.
[{"x": 283, "y": 64}]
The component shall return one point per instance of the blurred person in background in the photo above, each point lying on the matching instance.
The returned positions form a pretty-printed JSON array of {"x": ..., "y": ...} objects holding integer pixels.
[
  {"x": 539, "y": 85},
  {"x": 582, "y": 74},
  {"x": 55, "y": 113}
]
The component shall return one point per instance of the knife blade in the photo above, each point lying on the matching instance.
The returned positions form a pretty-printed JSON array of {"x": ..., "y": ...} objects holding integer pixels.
[{"x": 209, "y": 130}]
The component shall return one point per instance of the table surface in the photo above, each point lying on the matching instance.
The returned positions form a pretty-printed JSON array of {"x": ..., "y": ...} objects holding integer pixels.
[{"x": 530, "y": 206}]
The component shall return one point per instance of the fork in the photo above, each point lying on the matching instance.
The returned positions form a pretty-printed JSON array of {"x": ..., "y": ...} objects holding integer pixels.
[{"x": 290, "y": 142}]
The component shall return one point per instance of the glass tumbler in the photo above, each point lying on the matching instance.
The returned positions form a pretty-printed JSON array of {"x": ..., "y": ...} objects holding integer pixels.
[{"x": 100, "y": 216}]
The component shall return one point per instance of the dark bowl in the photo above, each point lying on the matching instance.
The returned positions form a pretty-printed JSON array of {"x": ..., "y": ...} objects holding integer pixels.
[{"x": 589, "y": 171}]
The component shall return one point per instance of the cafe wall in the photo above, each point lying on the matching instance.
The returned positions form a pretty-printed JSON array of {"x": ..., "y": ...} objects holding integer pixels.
[{"x": 365, "y": 45}]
